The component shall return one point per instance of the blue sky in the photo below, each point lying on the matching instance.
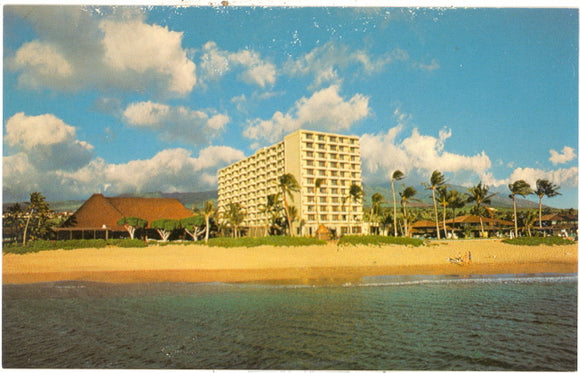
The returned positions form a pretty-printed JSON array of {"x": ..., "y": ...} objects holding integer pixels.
[{"x": 134, "y": 99}]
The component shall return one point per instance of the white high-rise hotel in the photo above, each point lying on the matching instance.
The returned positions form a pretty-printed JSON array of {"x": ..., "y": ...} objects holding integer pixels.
[{"x": 308, "y": 155}]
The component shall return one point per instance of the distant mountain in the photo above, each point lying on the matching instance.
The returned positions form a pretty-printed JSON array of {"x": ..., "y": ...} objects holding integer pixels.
[{"x": 500, "y": 200}]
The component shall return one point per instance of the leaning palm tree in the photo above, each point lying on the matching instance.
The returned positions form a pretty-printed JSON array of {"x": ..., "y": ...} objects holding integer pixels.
[
  {"x": 479, "y": 195},
  {"x": 545, "y": 188},
  {"x": 407, "y": 195},
  {"x": 376, "y": 202},
  {"x": 397, "y": 175},
  {"x": 317, "y": 185},
  {"x": 208, "y": 212},
  {"x": 355, "y": 195},
  {"x": 288, "y": 185},
  {"x": 436, "y": 181},
  {"x": 518, "y": 188},
  {"x": 455, "y": 200},
  {"x": 443, "y": 200}
]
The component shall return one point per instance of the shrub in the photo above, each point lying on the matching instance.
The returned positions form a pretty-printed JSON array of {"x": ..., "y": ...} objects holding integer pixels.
[
  {"x": 42, "y": 245},
  {"x": 379, "y": 240},
  {"x": 536, "y": 241},
  {"x": 127, "y": 243},
  {"x": 261, "y": 241}
]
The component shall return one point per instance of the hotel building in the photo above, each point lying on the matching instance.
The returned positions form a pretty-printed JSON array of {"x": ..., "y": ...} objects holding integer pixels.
[{"x": 308, "y": 155}]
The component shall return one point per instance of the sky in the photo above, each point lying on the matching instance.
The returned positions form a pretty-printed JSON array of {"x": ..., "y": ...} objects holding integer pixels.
[{"x": 121, "y": 99}]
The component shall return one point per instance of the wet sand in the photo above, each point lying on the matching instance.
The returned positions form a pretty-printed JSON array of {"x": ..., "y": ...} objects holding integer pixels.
[{"x": 304, "y": 264}]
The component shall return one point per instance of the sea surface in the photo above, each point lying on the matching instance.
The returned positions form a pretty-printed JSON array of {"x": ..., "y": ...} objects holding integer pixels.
[{"x": 518, "y": 322}]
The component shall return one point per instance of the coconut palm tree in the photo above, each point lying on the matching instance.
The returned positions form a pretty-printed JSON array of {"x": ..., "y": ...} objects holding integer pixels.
[
  {"x": 407, "y": 195},
  {"x": 317, "y": 185},
  {"x": 518, "y": 188},
  {"x": 437, "y": 180},
  {"x": 443, "y": 200},
  {"x": 355, "y": 195},
  {"x": 235, "y": 215},
  {"x": 397, "y": 175},
  {"x": 479, "y": 195},
  {"x": 529, "y": 218},
  {"x": 270, "y": 210},
  {"x": 208, "y": 212},
  {"x": 288, "y": 185},
  {"x": 544, "y": 188},
  {"x": 455, "y": 200},
  {"x": 376, "y": 202}
]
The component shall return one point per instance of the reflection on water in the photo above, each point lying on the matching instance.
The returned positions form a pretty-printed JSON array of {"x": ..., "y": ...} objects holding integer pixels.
[{"x": 379, "y": 323}]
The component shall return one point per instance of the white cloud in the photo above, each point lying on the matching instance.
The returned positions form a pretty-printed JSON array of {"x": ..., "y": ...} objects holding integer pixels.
[
  {"x": 384, "y": 153},
  {"x": 217, "y": 63},
  {"x": 48, "y": 141},
  {"x": 324, "y": 110},
  {"x": 325, "y": 62},
  {"x": 565, "y": 177},
  {"x": 176, "y": 122},
  {"x": 136, "y": 46},
  {"x": 78, "y": 48},
  {"x": 565, "y": 156},
  {"x": 170, "y": 170}
]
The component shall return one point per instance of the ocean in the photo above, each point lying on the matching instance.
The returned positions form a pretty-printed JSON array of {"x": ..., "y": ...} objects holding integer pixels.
[{"x": 517, "y": 322}]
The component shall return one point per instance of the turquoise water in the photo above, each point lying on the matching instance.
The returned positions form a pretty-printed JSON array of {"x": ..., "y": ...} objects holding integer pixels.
[{"x": 385, "y": 323}]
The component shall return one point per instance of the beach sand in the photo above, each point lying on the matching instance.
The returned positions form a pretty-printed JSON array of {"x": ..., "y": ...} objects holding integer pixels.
[{"x": 300, "y": 265}]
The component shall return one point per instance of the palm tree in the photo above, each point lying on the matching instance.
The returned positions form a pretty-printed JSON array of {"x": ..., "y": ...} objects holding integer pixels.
[
  {"x": 355, "y": 195},
  {"x": 528, "y": 220},
  {"x": 407, "y": 195},
  {"x": 518, "y": 188},
  {"x": 443, "y": 200},
  {"x": 376, "y": 202},
  {"x": 317, "y": 185},
  {"x": 288, "y": 185},
  {"x": 270, "y": 210},
  {"x": 437, "y": 181},
  {"x": 208, "y": 212},
  {"x": 545, "y": 188},
  {"x": 235, "y": 215},
  {"x": 478, "y": 194},
  {"x": 397, "y": 175},
  {"x": 455, "y": 200}
]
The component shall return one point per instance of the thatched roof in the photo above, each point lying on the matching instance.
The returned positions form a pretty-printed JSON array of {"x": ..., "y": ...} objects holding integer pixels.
[{"x": 99, "y": 210}]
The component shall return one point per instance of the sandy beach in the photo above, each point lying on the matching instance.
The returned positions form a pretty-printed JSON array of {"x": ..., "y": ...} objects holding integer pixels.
[{"x": 306, "y": 264}]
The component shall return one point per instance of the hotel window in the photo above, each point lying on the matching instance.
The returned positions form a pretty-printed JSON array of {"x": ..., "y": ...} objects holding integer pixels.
[
  {"x": 310, "y": 190},
  {"x": 323, "y": 208},
  {"x": 332, "y": 147},
  {"x": 322, "y": 217},
  {"x": 309, "y": 145},
  {"x": 310, "y": 162},
  {"x": 308, "y": 135},
  {"x": 333, "y": 138},
  {"x": 322, "y": 163},
  {"x": 321, "y": 173},
  {"x": 311, "y": 217},
  {"x": 321, "y": 154},
  {"x": 352, "y": 141},
  {"x": 309, "y": 172},
  {"x": 334, "y": 190},
  {"x": 310, "y": 199},
  {"x": 323, "y": 199},
  {"x": 309, "y": 180},
  {"x": 334, "y": 199},
  {"x": 321, "y": 137},
  {"x": 321, "y": 146},
  {"x": 309, "y": 154}
]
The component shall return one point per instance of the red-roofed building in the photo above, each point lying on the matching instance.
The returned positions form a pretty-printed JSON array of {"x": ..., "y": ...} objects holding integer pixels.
[
  {"x": 98, "y": 216},
  {"x": 490, "y": 226},
  {"x": 556, "y": 224}
]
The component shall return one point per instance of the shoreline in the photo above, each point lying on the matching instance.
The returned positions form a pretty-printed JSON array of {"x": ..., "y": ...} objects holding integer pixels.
[{"x": 327, "y": 264}]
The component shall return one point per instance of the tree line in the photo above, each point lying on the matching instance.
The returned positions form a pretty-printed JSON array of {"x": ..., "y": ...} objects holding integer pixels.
[{"x": 445, "y": 198}]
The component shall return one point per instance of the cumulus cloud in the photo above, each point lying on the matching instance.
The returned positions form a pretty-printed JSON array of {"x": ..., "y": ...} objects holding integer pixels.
[
  {"x": 324, "y": 110},
  {"x": 170, "y": 170},
  {"x": 565, "y": 177},
  {"x": 78, "y": 48},
  {"x": 326, "y": 62},
  {"x": 565, "y": 156},
  {"x": 254, "y": 70},
  {"x": 176, "y": 122},
  {"x": 48, "y": 141},
  {"x": 415, "y": 153}
]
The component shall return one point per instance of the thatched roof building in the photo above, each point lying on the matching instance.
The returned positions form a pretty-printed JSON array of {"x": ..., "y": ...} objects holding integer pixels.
[{"x": 100, "y": 213}]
